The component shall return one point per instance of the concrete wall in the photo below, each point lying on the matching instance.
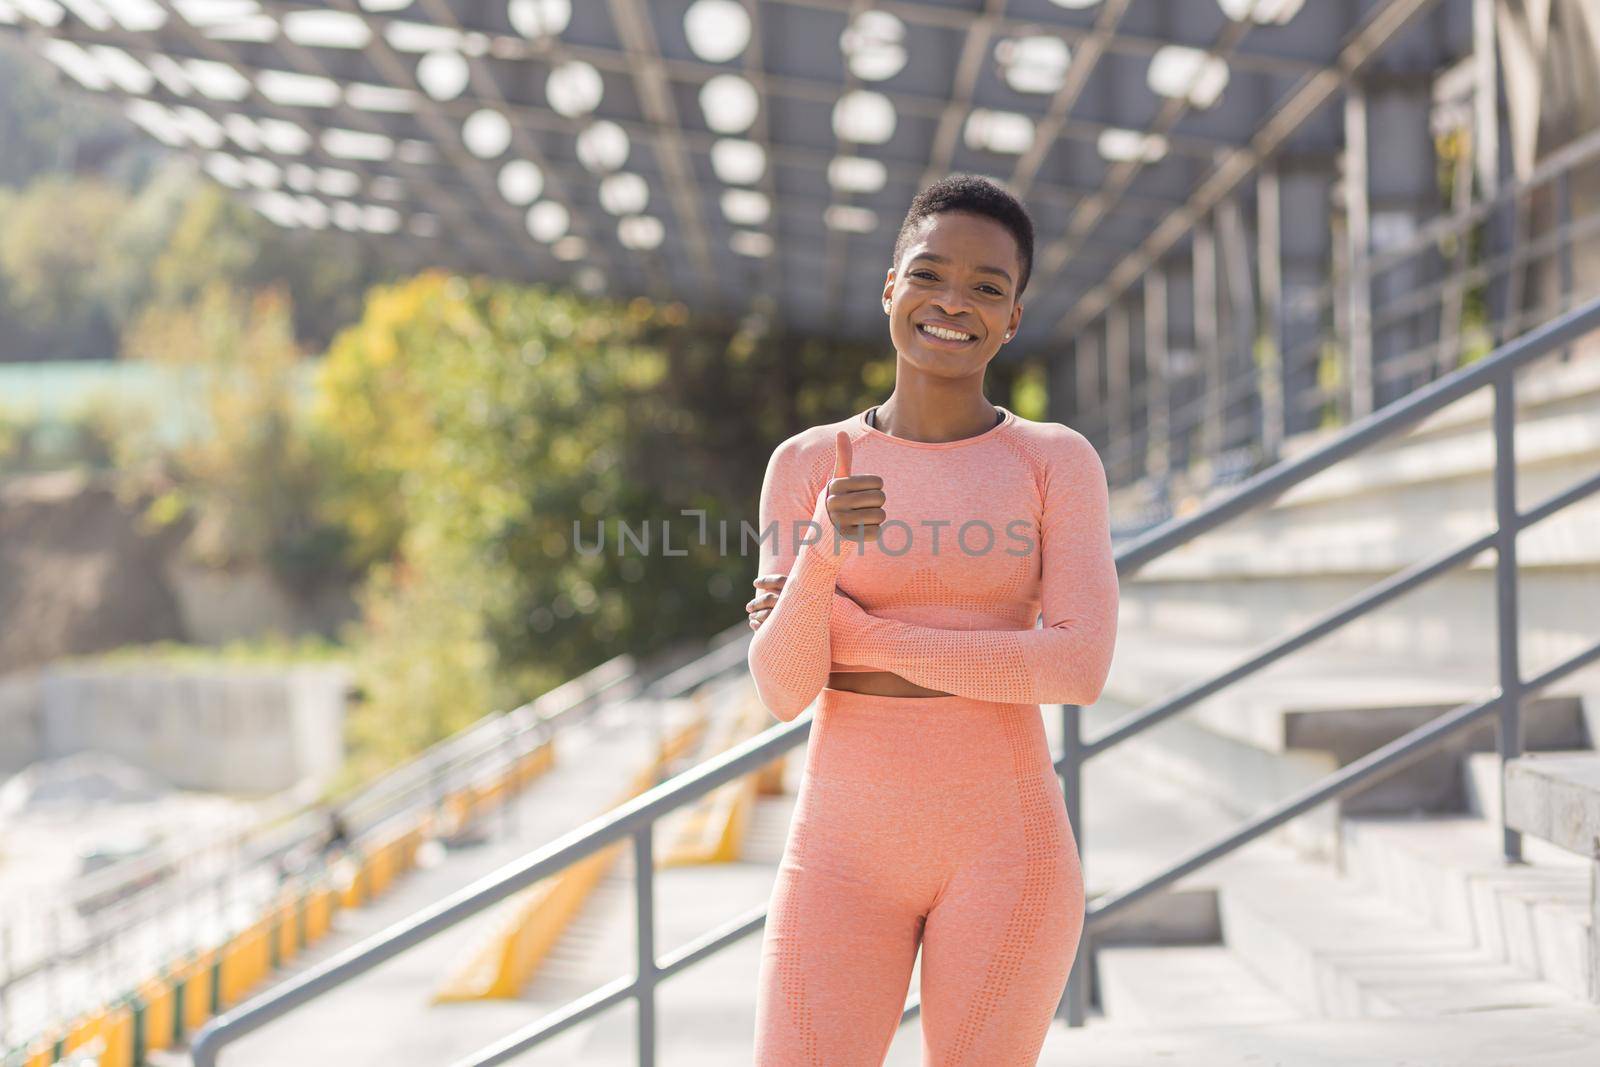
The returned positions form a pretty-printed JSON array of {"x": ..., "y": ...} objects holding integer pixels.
[
  {"x": 227, "y": 729},
  {"x": 19, "y": 720}
]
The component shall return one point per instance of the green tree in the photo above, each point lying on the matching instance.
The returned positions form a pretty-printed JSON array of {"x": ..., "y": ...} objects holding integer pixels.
[
  {"x": 259, "y": 477},
  {"x": 218, "y": 236},
  {"x": 478, "y": 423},
  {"x": 58, "y": 235}
]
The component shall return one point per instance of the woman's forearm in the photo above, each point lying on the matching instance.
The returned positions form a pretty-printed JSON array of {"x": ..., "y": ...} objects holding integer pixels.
[
  {"x": 1066, "y": 663},
  {"x": 789, "y": 654}
]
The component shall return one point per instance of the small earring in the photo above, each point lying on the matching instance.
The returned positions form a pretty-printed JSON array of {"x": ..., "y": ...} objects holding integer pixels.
[{"x": 1008, "y": 336}]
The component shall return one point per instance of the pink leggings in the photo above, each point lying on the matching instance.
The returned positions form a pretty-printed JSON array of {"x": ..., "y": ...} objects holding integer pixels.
[{"x": 931, "y": 820}]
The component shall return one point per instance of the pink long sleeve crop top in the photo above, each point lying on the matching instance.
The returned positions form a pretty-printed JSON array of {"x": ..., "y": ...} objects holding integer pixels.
[{"x": 982, "y": 536}]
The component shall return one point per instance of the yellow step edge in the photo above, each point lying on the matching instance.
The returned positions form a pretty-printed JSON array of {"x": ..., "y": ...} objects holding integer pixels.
[{"x": 534, "y": 919}]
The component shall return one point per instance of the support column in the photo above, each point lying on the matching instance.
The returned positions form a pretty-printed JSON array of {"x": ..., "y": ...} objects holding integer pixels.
[
  {"x": 1404, "y": 194},
  {"x": 1184, "y": 390},
  {"x": 1061, "y": 397},
  {"x": 1119, "y": 402},
  {"x": 1241, "y": 389},
  {"x": 1305, "y": 193},
  {"x": 1158, "y": 401},
  {"x": 1269, "y": 259},
  {"x": 1357, "y": 281},
  {"x": 1207, "y": 341},
  {"x": 1485, "y": 100},
  {"x": 1091, "y": 406}
]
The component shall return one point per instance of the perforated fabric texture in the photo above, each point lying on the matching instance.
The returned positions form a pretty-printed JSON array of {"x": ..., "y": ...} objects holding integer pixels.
[{"x": 985, "y": 537}]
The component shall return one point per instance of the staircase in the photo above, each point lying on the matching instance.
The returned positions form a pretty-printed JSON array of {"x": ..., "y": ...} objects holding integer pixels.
[
  {"x": 1379, "y": 928},
  {"x": 1349, "y": 934}
]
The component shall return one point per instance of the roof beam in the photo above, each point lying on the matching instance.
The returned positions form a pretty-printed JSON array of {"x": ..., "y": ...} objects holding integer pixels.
[
  {"x": 489, "y": 95},
  {"x": 305, "y": 62},
  {"x": 459, "y": 108},
  {"x": 655, "y": 97},
  {"x": 1090, "y": 211},
  {"x": 1386, "y": 20},
  {"x": 817, "y": 90},
  {"x": 834, "y": 239},
  {"x": 223, "y": 52},
  {"x": 447, "y": 138},
  {"x": 1084, "y": 59},
  {"x": 772, "y": 277},
  {"x": 974, "y": 49},
  {"x": 955, "y": 18}
]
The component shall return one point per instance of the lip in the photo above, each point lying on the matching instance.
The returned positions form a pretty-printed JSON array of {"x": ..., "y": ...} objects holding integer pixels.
[{"x": 928, "y": 338}]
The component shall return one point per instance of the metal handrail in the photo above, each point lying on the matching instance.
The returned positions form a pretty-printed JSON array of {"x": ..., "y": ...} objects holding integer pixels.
[
  {"x": 368, "y": 810},
  {"x": 637, "y": 817},
  {"x": 1498, "y": 371}
]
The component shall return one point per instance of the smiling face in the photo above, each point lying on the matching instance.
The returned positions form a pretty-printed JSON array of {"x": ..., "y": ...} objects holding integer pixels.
[{"x": 952, "y": 297}]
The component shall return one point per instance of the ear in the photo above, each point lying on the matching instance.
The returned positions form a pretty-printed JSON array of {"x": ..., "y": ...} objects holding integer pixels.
[
  {"x": 1016, "y": 320},
  {"x": 888, "y": 290}
]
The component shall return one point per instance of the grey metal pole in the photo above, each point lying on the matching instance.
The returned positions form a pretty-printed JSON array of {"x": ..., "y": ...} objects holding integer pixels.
[
  {"x": 1074, "y": 1006},
  {"x": 1505, "y": 572},
  {"x": 644, "y": 879}
]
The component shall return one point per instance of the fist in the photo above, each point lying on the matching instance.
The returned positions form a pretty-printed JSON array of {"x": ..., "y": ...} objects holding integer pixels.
[
  {"x": 855, "y": 501},
  {"x": 759, "y": 607}
]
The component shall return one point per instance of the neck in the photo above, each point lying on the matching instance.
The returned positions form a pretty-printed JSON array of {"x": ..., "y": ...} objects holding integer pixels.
[{"x": 936, "y": 411}]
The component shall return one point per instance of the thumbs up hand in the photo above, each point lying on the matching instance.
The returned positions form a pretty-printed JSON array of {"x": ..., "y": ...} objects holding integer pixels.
[{"x": 854, "y": 501}]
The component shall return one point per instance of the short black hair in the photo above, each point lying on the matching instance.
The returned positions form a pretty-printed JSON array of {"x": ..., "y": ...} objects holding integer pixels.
[{"x": 977, "y": 195}]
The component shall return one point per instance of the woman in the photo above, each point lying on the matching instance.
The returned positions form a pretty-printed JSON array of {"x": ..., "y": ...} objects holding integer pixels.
[{"x": 912, "y": 548}]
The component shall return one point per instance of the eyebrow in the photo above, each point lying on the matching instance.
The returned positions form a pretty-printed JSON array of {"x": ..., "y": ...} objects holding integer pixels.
[{"x": 941, "y": 259}]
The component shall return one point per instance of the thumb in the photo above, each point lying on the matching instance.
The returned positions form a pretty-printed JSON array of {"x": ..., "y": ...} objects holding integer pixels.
[{"x": 841, "y": 453}]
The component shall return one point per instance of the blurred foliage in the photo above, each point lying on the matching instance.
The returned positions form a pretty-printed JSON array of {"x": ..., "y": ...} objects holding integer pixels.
[
  {"x": 218, "y": 237},
  {"x": 98, "y": 220},
  {"x": 478, "y": 422},
  {"x": 54, "y": 247},
  {"x": 258, "y": 478},
  {"x": 103, "y": 434},
  {"x": 81, "y": 259},
  {"x": 46, "y": 126},
  {"x": 272, "y": 648}
]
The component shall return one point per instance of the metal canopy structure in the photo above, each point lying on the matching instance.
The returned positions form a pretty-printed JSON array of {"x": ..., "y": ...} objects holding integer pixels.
[{"x": 742, "y": 155}]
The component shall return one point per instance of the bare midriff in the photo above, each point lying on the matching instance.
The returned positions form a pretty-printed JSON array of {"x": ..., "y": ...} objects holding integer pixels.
[{"x": 879, "y": 683}]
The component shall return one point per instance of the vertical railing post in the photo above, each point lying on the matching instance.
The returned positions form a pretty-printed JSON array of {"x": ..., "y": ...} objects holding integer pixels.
[
  {"x": 1074, "y": 1005},
  {"x": 1564, "y": 261},
  {"x": 644, "y": 898},
  {"x": 1507, "y": 630}
]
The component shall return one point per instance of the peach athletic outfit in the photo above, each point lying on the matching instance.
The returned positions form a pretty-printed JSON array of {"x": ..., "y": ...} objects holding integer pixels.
[{"x": 931, "y": 820}]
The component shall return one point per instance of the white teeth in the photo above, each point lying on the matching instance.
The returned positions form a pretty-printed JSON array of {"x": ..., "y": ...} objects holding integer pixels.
[{"x": 948, "y": 335}]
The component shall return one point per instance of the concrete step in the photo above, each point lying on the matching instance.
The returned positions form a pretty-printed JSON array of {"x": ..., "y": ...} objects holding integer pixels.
[
  {"x": 1183, "y": 985},
  {"x": 1434, "y": 478},
  {"x": 1448, "y": 871},
  {"x": 386, "y": 1015},
  {"x": 1551, "y": 1036},
  {"x": 1290, "y": 725},
  {"x": 1338, "y": 951},
  {"x": 1480, "y": 784},
  {"x": 1555, "y": 796},
  {"x": 1548, "y": 386},
  {"x": 1547, "y": 389},
  {"x": 1132, "y": 827},
  {"x": 1449, "y": 620},
  {"x": 1324, "y": 698}
]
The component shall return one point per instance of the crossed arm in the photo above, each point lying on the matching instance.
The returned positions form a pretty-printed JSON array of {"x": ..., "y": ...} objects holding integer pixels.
[{"x": 1065, "y": 661}]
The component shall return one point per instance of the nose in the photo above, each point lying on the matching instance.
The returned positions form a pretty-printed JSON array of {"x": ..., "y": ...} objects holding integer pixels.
[{"x": 952, "y": 300}]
